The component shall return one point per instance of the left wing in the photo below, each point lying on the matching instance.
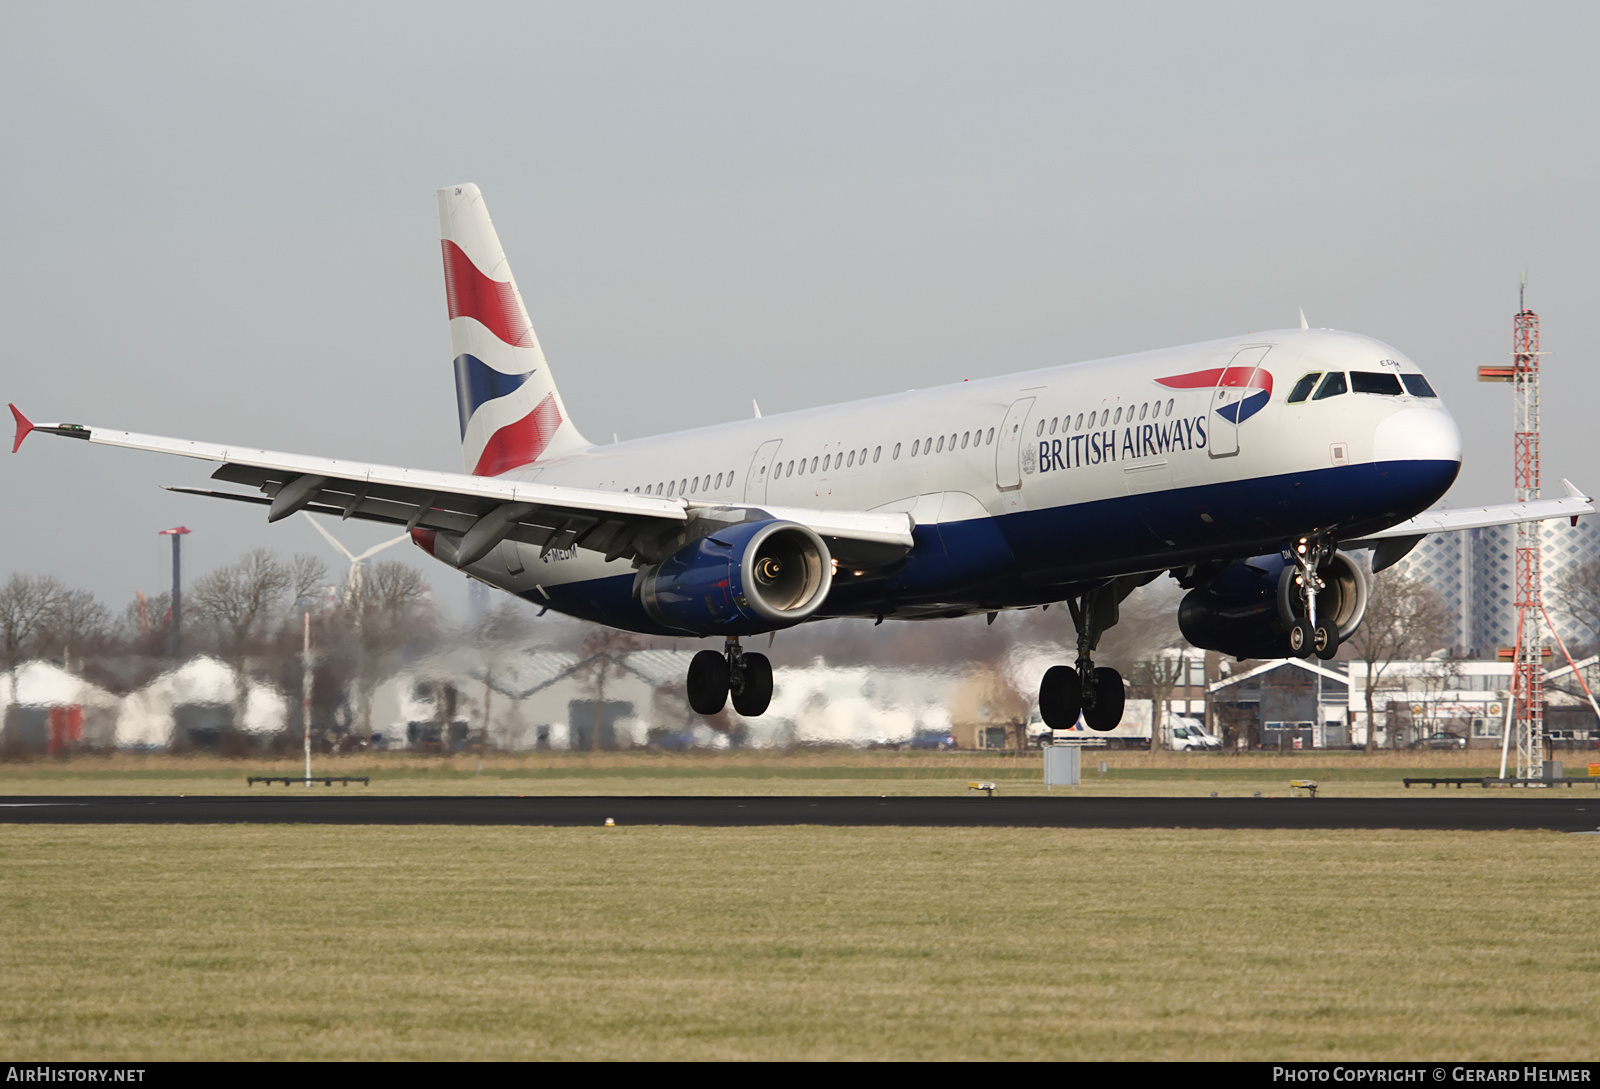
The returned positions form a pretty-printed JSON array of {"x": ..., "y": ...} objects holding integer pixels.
[
  {"x": 1391, "y": 544},
  {"x": 483, "y": 511}
]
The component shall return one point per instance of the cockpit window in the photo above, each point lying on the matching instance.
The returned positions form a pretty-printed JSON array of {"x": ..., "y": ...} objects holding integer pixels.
[
  {"x": 1375, "y": 382},
  {"x": 1332, "y": 386},
  {"x": 1417, "y": 386},
  {"x": 1302, "y": 388}
]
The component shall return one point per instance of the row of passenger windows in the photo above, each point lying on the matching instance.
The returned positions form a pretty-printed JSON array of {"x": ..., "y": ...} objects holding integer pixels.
[
  {"x": 822, "y": 463},
  {"x": 1105, "y": 418},
  {"x": 1385, "y": 383},
  {"x": 689, "y": 485}
]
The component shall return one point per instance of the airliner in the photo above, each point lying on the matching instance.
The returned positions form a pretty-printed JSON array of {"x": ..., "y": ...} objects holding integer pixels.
[{"x": 1248, "y": 469}]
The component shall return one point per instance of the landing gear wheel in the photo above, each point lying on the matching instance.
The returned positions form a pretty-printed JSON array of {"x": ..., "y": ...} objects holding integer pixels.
[
  {"x": 1326, "y": 642},
  {"x": 1060, "y": 697},
  {"x": 756, "y": 692},
  {"x": 1109, "y": 698},
  {"x": 708, "y": 682},
  {"x": 1302, "y": 638}
]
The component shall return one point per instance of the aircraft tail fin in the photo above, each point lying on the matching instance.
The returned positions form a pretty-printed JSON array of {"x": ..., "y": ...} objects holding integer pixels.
[{"x": 511, "y": 412}]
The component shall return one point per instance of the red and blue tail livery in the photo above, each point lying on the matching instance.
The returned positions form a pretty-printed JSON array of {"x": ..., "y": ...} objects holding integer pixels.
[{"x": 511, "y": 412}]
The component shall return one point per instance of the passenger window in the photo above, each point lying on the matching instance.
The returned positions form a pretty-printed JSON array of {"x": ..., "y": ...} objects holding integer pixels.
[
  {"x": 965, "y": 435},
  {"x": 1332, "y": 386},
  {"x": 719, "y": 480},
  {"x": 1052, "y": 425},
  {"x": 1170, "y": 403},
  {"x": 876, "y": 450},
  {"x": 851, "y": 462},
  {"x": 1417, "y": 386},
  {"x": 1302, "y": 389},
  {"x": 896, "y": 455},
  {"x": 1382, "y": 382},
  {"x": 813, "y": 465},
  {"x": 1142, "y": 410},
  {"x": 1038, "y": 432},
  {"x": 991, "y": 436},
  {"x": 941, "y": 440},
  {"x": 916, "y": 444},
  {"x": 730, "y": 480},
  {"x": 826, "y": 461}
]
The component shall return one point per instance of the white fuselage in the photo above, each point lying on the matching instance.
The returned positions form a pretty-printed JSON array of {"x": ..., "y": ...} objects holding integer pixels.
[{"x": 1028, "y": 483}]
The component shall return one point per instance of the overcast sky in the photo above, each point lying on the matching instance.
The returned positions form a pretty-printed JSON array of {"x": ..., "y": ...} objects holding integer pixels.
[{"x": 222, "y": 223}]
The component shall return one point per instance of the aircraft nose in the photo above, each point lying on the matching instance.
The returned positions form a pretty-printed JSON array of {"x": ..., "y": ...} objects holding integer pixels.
[{"x": 1418, "y": 434}]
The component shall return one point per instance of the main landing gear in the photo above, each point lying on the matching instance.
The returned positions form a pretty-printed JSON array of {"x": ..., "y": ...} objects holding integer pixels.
[
  {"x": 1084, "y": 689},
  {"x": 713, "y": 677},
  {"x": 1310, "y": 635}
]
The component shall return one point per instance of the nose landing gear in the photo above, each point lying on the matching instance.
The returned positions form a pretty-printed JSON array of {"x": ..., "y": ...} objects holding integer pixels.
[
  {"x": 1310, "y": 635},
  {"x": 713, "y": 677}
]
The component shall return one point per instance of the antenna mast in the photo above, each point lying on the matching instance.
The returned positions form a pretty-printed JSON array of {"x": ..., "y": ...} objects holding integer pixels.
[{"x": 1527, "y": 679}]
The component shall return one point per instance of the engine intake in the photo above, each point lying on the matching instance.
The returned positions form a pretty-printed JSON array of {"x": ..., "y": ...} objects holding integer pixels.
[
  {"x": 741, "y": 580},
  {"x": 1247, "y": 608}
]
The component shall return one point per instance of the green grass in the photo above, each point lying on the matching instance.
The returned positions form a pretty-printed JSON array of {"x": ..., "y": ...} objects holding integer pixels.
[
  {"x": 1341, "y": 774},
  {"x": 285, "y": 942}
]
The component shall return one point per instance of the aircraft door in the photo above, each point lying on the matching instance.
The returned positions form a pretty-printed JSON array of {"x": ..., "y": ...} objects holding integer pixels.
[
  {"x": 755, "y": 481},
  {"x": 1235, "y": 383},
  {"x": 1008, "y": 448}
]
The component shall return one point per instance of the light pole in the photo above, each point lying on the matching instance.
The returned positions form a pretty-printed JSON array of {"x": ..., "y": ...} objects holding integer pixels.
[{"x": 175, "y": 630}]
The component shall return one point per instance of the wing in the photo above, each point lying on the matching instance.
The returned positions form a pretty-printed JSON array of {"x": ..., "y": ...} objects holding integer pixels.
[
  {"x": 483, "y": 511},
  {"x": 1391, "y": 544}
]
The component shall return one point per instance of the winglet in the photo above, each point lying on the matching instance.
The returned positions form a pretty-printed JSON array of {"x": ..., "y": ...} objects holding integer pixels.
[
  {"x": 24, "y": 425},
  {"x": 1572, "y": 489}
]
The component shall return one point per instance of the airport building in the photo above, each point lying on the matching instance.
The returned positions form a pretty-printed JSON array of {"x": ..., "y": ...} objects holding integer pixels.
[{"x": 1475, "y": 573}]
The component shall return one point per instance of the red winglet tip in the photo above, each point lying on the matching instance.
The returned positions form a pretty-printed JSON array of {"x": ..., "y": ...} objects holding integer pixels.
[{"x": 24, "y": 425}]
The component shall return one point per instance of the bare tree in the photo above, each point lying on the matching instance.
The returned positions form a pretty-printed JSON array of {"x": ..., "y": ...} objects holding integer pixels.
[
  {"x": 248, "y": 603},
  {"x": 1406, "y": 618},
  {"x": 387, "y": 608},
  {"x": 28, "y": 605},
  {"x": 600, "y": 660},
  {"x": 76, "y": 625},
  {"x": 1575, "y": 592},
  {"x": 1155, "y": 677}
]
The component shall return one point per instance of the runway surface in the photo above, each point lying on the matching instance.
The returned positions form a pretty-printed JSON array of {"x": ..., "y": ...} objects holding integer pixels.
[{"x": 1062, "y": 811}]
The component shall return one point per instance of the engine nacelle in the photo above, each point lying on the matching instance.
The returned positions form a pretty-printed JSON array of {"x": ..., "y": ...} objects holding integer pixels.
[
  {"x": 740, "y": 580},
  {"x": 1247, "y": 608}
]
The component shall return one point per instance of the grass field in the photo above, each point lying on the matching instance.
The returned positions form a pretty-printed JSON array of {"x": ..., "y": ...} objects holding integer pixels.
[
  {"x": 310, "y": 942},
  {"x": 1341, "y": 774}
]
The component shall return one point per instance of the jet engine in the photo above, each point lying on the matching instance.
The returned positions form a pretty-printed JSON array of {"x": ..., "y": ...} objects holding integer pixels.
[
  {"x": 742, "y": 579},
  {"x": 1248, "y": 607}
]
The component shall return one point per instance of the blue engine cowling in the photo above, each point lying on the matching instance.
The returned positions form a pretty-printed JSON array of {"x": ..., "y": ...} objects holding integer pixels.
[
  {"x": 741, "y": 580},
  {"x": 1247, "y": 608}
]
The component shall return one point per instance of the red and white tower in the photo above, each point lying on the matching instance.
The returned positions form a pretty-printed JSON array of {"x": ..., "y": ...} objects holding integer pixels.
[{"x": 1527, "y": 679}]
